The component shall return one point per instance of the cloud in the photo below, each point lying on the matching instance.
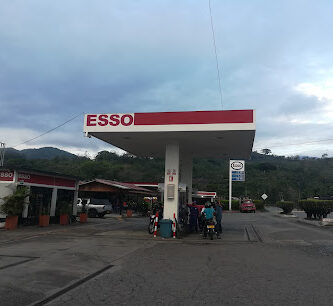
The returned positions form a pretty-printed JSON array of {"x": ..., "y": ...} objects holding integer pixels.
[{"x": 60, "y": 59}]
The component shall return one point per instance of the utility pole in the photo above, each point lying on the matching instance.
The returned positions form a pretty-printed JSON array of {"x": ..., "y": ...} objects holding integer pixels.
[{"x": 2, "y": 153}]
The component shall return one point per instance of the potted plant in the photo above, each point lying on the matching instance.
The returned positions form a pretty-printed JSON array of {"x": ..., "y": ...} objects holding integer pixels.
[
  {"x": 44, "y": 217},
  {"x": 83, "y": 214},
  {"x": 13, "y": 206},
  {"x": 129, "y": 211},
  {"x": 64, "y": 211}
]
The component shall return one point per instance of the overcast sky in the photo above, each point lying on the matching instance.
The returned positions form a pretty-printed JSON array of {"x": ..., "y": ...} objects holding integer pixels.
[{"x": 61, "y": 58}]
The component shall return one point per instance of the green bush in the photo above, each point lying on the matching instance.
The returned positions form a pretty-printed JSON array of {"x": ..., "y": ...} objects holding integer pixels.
[
  {"x": 14, "y": 204},
  {"x": 286, "y": 206},
  {"x": 63, "y": 208},
  {"x": 234, "y": 204},
  {"x": 260, "y": 205},
  {"x": 143, "y": 207},
  {"x": 318, "y": 208}
]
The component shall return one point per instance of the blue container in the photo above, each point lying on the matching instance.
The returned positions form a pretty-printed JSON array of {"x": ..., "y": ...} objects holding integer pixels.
[{"x": 166, "y": 228}]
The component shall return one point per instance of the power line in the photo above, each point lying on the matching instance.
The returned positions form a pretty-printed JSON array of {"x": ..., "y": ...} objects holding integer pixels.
[
  {"x": 216, "y": 58},
  {"x": 49, "y": 131},
  {"x": 297, "y": 143}
]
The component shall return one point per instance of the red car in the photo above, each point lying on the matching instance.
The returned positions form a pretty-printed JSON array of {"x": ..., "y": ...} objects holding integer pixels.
[{"x": 247, "y": 206}]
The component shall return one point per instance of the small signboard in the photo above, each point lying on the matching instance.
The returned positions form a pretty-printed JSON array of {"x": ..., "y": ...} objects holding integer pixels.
[
  {"x": 264, "y": 196},
  {"x": 236, "y": 174},
  {"x": 237, "y": 170}
]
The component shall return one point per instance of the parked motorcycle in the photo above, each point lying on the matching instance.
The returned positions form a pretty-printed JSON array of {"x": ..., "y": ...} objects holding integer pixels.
[
  {"x": 210, "y": 229},
  {"x": 151, "y": 226}
]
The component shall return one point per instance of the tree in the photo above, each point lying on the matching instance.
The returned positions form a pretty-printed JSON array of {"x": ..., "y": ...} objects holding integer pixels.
[
  {"x": 324, "y": 155},
  {"x": 266, "y": 151},
  {"x": 14, "y": 204}
]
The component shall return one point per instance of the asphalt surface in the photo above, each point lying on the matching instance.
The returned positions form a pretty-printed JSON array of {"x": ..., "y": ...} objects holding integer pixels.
[{"x": 262, "y": 259}]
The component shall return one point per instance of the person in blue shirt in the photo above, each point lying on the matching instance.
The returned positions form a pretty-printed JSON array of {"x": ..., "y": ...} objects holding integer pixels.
[{"x": 209, "y": 213}]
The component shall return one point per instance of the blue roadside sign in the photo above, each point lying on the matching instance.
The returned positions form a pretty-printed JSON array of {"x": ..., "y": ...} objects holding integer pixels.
[{"x": 238, "y": 176}]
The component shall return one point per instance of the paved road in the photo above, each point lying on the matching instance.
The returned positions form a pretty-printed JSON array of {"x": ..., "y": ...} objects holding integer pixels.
[{"x": 262, "y": 259}]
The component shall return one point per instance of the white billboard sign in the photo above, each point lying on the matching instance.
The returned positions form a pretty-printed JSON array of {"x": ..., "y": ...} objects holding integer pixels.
[
  {"x": 237, "y": 165},
  {"x": 236, "y": 174}
]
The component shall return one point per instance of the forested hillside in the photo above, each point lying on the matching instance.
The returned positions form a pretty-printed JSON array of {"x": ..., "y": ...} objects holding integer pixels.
[{"x": 278, "y": 177}]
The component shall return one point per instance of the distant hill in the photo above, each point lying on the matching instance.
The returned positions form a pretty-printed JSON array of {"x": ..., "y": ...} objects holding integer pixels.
[
  {"x": 12, "y": 153},
  {"x": 288, "y": 178},
  {"x": 41, "y": 153}
]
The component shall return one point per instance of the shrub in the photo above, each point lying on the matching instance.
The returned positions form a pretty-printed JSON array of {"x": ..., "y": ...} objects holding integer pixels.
[
  {"x": 286, "y": 206},
  {"x": 64, "y": 208},
  {"x": 143, "y": 207},
  {"x": 14, "y": 204},
  {"x": 259, "y": 204},
  {"x": 234, "y": 204},
  {"x": 318, "y": 208}
]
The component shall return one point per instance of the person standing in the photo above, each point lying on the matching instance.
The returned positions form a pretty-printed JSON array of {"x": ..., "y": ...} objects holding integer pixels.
[
  {"x": 208, "y": 213},
  {"x": 194, "y": 212},
  {"x": 218, "y": 211}
]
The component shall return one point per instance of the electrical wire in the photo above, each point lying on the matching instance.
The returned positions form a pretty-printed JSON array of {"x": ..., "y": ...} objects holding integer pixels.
[
  {"x": 216, "y": 58},
  {"x": 296, "y": 143},
  {"x": 49, "y": 131}
]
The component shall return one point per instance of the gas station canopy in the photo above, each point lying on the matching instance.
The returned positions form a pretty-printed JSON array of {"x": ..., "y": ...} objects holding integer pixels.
[
  {"x": 220, "y": 134},
  {"x": 177, "y": 136}
]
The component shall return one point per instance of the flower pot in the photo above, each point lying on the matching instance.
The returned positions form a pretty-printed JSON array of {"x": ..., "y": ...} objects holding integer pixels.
[
  {"x": 44, "y": 220},
  {"x": 129, "y": 213},
  {"x": 64, "y": 219},
  {"x": 11, "y": 222},
  {"x": 83, "y": 218}
]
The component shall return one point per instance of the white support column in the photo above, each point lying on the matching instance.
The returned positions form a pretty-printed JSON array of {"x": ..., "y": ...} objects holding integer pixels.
[
  {"x": 186, "y": 174},
  {"x": 26, "y": 205},
  {"x": 171, "y": 181},
  {"x": 230, "y": 186},
  {"x": 76, "y": 195},
  {"x": 53, "y": 201}
]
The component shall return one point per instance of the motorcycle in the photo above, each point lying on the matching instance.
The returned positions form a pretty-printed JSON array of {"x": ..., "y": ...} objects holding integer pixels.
[
  {"x": 210, "y": 229},
  {"x": 151, "y": 226}
]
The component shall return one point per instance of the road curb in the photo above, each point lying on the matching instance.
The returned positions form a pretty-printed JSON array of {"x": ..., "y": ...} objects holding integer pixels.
[
  {"x": 321, "y": 223},
  {"x": 317, "y": 223}
]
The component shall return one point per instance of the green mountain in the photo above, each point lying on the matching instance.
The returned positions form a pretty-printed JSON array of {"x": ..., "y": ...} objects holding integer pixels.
[
  {"x": 279, "y": 177},
  {"x": 41, "y": 153}
]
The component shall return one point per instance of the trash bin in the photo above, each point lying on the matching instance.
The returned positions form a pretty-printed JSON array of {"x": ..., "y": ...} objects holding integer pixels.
[{"x": 166, "y": 228}]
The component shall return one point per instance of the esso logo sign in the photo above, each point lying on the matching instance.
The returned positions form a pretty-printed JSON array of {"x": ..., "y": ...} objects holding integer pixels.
[
  {"x": 237, "y": 165},
  {"x": 6, "y": 174},
  {"x": 23, "y": 176},
  {"x": 110, "y": 120}
]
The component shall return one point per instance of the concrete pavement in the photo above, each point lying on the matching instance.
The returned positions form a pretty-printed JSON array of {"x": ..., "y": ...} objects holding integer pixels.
[{"x": 261, "y": 260}]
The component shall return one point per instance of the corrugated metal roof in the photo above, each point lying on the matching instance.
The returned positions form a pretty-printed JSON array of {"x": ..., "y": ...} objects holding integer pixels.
[{"x": 120, "y": 185}]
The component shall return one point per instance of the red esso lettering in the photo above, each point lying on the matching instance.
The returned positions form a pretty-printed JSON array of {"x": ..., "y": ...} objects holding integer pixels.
[
  {"x": 102, "y": 120},
  {"x": 124, "y": 120},
  {"x": 127, "y": 119},
  {"x": 91, "y": 120},
  {"x": 114, "y": 120}
]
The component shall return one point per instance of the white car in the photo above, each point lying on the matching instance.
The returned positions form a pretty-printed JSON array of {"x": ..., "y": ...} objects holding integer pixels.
[{"x": 94, "y": 207}]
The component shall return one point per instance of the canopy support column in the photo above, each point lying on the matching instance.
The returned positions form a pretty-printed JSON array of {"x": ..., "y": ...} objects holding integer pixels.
[
  {"x": 186, "y": 174},
  {"x": 171, "y": 181}
]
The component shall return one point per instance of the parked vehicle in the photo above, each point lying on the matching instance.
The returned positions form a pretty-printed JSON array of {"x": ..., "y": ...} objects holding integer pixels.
[
  {"x": 247, "y": 206},
  {"x": 94, "y": 207},
  {"x": 210, "y": 229},
  {"x": 152, "y": 217}
]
